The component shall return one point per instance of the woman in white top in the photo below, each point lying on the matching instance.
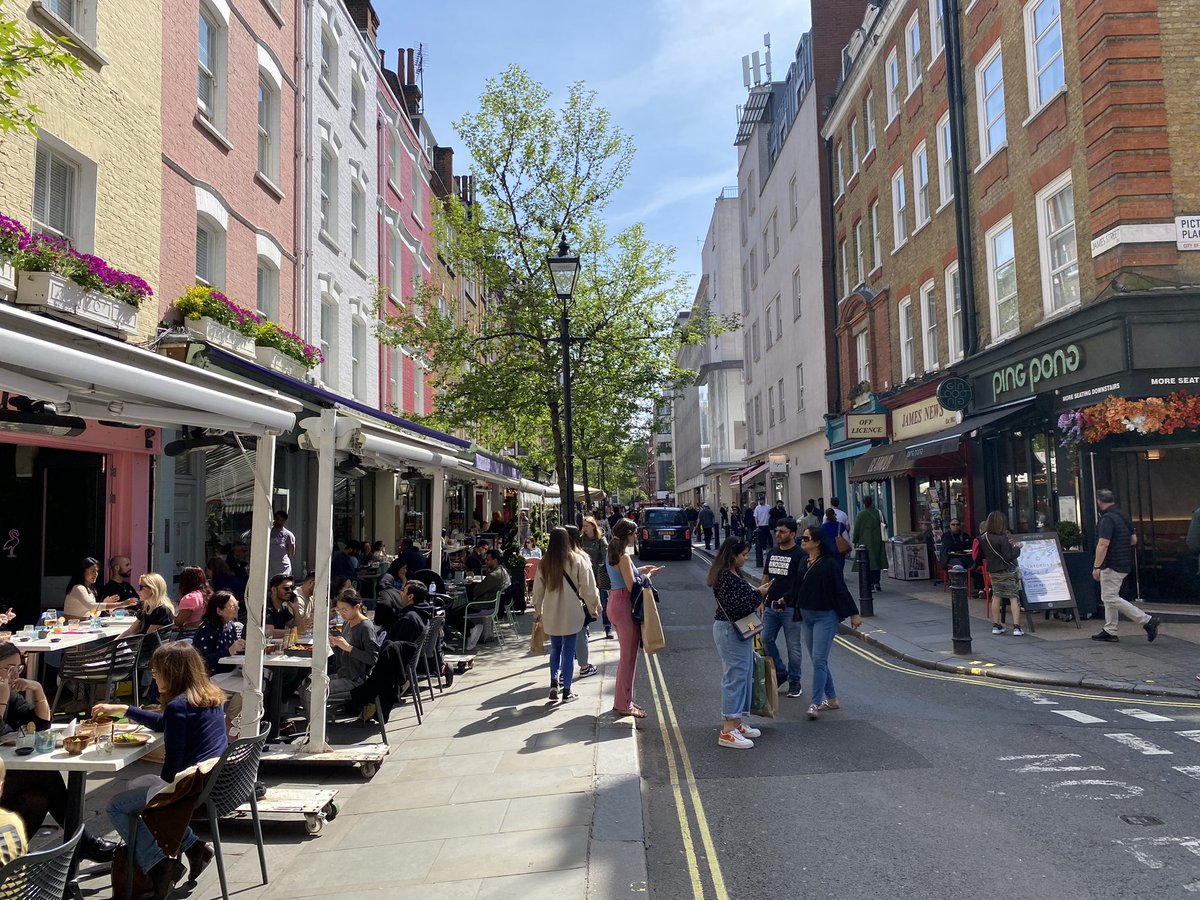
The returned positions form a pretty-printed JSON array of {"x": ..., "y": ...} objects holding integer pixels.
[
  {"x": 531, "y": 550},
  {"x": 563, "y": 587},
  {"x": 81, "y": 602}
]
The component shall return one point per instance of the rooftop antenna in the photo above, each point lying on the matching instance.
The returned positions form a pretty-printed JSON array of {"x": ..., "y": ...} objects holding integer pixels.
[
  {"x": 767, "y": 43},
  {"x": 421, "y": 69}
]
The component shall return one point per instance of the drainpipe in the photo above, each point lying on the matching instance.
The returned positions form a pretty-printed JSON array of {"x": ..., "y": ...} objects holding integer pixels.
[
  {"x": 833, "y": 285},
  {"x": 962, "y": 176},
  {"x": 303, "y": 191}
]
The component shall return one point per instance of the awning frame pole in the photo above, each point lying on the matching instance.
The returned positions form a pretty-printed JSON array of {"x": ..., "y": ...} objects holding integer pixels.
[
  {"x": 256, "y": 586},
  {"x": 437, "y": 516},
  {"x": 326, "y": 439}
]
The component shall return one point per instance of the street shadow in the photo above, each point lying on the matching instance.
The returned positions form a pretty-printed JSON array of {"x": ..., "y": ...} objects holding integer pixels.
[
  {"x": 579, "y": 731},
  {"x": 511, "y": 715}
]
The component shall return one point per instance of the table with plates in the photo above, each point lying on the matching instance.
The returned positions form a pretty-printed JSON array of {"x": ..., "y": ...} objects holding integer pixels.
[
  {"x": 275, "y": 700},
  {"x": 75, "y": 634}
]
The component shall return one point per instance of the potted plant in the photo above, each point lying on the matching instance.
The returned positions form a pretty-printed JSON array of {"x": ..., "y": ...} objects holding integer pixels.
[
  {"x": 12, "y": 233},
  {"x": 1079, "y": 567},
  {"x": 283, "y": 351},
  {"x": 210, "y": 316},
  {"x": 859, "y": 390}
]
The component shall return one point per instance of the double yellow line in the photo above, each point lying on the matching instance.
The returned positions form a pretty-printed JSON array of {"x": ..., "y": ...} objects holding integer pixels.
[{"x": 668, "y": 726}]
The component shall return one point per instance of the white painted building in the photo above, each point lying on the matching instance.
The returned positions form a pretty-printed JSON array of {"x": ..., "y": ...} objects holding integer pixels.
[{"x": 783, "y": 312}]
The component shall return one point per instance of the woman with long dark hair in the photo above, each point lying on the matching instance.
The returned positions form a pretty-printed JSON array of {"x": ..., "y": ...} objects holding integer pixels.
[
  {"x": 622, "y": 575},
  {"x": 1001, "y": 554},
  {"x": 81, "y": 599},
  {"x": 563, "y": 587},
  {"x": 736, "y": 599},
  {"x": 193, "y": 596},
  {"x": 595, "y": 545},
  {"x": 219, "y": 634},
  {"x": 192, "y": 724},
  {"x": 822, "y": 601}
]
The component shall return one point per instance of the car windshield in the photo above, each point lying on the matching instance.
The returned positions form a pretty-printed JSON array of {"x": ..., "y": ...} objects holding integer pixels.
[{"x": 662, "y": 517}]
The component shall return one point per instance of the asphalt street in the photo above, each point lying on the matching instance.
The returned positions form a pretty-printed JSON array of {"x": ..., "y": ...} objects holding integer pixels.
[{"x": 924, "y": 785}]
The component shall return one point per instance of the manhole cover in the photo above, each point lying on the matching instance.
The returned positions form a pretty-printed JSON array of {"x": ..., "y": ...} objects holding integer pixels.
[{"x": 1141, "y": 820}]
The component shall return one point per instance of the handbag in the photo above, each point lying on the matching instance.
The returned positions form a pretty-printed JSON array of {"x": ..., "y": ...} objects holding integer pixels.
[
  {"x": 843, "y": 546},
  {"x": 588, "y": 618},
  {"x": 747, "y": 626}
]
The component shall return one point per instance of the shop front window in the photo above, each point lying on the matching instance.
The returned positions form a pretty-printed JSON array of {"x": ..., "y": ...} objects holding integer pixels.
[
  {"x": 1028, "y": 486},
  {"x": 938, "y": 502}
]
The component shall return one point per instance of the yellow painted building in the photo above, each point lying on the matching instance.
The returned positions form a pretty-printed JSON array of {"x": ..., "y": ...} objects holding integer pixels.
[{"x": 97, "y": 160}]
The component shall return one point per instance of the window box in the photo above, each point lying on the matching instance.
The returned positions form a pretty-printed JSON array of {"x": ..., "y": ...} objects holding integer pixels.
[
  {"x": 60, "y": 296},
  {"x": 280, "y": 362},
  {"x": 8, "y": 280},
  {"x": 213, "y": 333}
]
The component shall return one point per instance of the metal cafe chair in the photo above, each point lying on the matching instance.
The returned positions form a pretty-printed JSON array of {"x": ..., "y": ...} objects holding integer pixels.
[
  {"x": 92, "y": 665},
  {"x": 482, "y": 611},
  {"x": 39, "y": 876}
]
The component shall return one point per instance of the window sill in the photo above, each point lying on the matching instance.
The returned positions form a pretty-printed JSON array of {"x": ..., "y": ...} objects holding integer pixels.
[
  {"x": 912, "y": 89},
  {"x": 275, "y": 13},
  {"x": 987, "y": 159},
  {"x": 358, "y": 267},
  {"x": 213, "y": 131},
  {"x": 892, "y": 119},
  {"x": 1051, "y": 315},
  {"x": 396, "y": 188},
  {"x": 936, "y": 57},
  {"x": 358, "y": 133},
  {"x": 872, "y": 275},
  {"x": 949, "y": 201},
  {"x": 327, "y": 240},
  {"x": 1046, "y": 105},
  {"x": 900, "y": 246},
  {"x": 269, "y": 186},
  {"x": 77, "y": 43},
  {"x": 330, "y": 93},
  {"x": 919, "y": 229},
  {"x": 1002, "y": 339}
]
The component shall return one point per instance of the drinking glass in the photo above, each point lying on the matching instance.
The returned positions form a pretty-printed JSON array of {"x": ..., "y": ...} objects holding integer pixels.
[{"x": 104, "y": 744}]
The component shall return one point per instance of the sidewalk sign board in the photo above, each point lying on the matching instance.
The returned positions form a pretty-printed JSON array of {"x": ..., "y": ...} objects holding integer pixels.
[{"x": 1044, "y": 573}]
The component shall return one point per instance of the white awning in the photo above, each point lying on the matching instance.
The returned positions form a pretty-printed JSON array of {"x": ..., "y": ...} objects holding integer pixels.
[
  {"x": 387, "y": 447},
  {"x": 95, "y": 377}
]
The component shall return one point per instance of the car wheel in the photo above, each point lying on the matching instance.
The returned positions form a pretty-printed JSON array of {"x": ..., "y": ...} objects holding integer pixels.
[{"x": 688, "y": 555}]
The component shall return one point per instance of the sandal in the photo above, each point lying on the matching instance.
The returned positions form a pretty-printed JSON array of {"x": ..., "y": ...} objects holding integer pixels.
[{"x": 636, "y": 711}]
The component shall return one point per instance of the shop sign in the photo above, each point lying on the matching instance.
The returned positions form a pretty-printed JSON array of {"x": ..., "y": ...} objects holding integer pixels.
[
  {"x": 1130, "y": 384},
  {"x": 1024, "y": 377},
  {"x": 1187, "y": 232},
  {"x": 860, "y": 426},
  {"x": 921, "y": 418},
  {"x": 777, "y": 464}
]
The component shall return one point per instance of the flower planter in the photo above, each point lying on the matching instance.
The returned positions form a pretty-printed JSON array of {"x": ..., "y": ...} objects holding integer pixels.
[
  {"x": 215, "y": 334},
  {"x": 280, "y": 362},
  {"x": 8, "y": 280},
  {"x": 61, "y": 296}
]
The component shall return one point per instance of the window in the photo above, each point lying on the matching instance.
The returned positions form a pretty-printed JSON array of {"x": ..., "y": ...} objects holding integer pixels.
[
  {"x": 899, "y": 206},
  {"x": 794, "y": 201},
  {"x": 54, "y": 181},
  {"x": 418, "y": 388},
  {"x": 267, "y": 295},
  {"x": 417, "y": 194},
  {"x": 912, "y": 43},
  {"x": 754, "y": 339},
  {"x": 860, "y": 269},
  {"x": 782, "y": 404},
  {"x": 853, "y": 147},
  {"x": 1044, "y": 51},
  {"x": 328, "y": 192},
  {"x": 770, "y": 324},
  {"x": 749, "y": 373},
  {"x": 954, "y": 339},
  {"x": 841, "y": 168},
  {"x": 210, "y": 252},
  {"x": 908, "y": 350},
  {"x": 753, "y": 267},
  {"x": 393, "y": 264},
  {"x": 204, "y": 248},
  {"x": 268, "y": 130},
  {"x": 797, "y": 308},
  {"x": 862, "y": 355},
  {"x": 771, "y": 406},
  {"x": 329, "y": 59},
  {"x": 869, "y": 120},
  {"x": 358, "y": 223},
  {"x": 358, "y": 357},
  {"x": 396, "y": 379},
  {"x": 945, "y": 161},
  {"x": 937, "y": 36},
  {"x": 1002, "y": 280},
  {"x": 758, "y": 413},
  {"x": 845, "y": 264},
  {"x": 1056, "y": 242},
  {"x": 929, "y": 328},
  {"x": 745, "y": 290},
  {"x": 65, "y": 10},
  {"x": 892, "y": 76},
  {"x": 775, "y": 233},
  {"x": 779, "y": 316},
  {"x": 393, "y": 150},
  {"x": 989, "y": 85},
  {"x": 876, "y": 247},
  {"x": 750, "y": 190},
  {"x": 358, "y": 106},
  {"x": 210, "y": 74},
  {"x": 921, "y": 184},
  {"x": 766, "y": 251},
  {"x": 329, "y": 339},
  {"x": 800, "y": 387}
]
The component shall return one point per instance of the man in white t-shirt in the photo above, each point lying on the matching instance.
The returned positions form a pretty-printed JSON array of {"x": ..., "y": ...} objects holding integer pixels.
[
  {"x": 282, "y": 546},
  {"x": 842, "y": 518},
  {"x": 762, "y": 520}
]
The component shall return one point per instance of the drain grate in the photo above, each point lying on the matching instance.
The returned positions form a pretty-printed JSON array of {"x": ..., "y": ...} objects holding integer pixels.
[{"x": 1141, "y": 820}]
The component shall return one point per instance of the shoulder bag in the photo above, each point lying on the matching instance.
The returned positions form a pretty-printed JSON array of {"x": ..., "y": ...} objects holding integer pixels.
[
  {"x": 747, "y": 626},
  {"x": 588, "y": 618},
  {"x": 843, "y": 546},
  {"x": 1013, "y": 569}
]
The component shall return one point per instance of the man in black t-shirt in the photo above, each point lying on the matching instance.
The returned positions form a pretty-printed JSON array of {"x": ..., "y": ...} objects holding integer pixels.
[
  {"x": 783, "y": 565},
  {"x": 118, "y": 584},
  {"x": 1113, "y": 561}
]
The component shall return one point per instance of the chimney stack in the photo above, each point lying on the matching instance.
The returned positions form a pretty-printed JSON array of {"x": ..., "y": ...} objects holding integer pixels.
[
  {"x": 412, "y": 66},
  {"x": 443, "y": 171},
  {"x": 362, "y": 13}
]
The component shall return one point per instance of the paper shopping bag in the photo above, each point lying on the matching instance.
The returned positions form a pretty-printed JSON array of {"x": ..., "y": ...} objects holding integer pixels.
[
  {"x": 537, "y": 639},
  {"x": 653, "y": 639}
]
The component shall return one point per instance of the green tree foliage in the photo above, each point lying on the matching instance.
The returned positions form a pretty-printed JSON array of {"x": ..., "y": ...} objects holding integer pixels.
[
  {"x": 539, "y": 173},
  {"x": 22, "y": 55}
]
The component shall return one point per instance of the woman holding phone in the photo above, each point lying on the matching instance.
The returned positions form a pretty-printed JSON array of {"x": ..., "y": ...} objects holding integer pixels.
[
  {"x": 621, "y": 575},
  {"x": 736, "y": 599}
]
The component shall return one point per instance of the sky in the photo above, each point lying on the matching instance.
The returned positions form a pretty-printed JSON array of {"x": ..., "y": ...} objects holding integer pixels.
[{"x": 669, "y": 71}]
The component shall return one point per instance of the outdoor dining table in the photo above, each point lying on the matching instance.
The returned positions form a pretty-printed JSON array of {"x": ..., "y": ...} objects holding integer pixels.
[
  {"x": 77, "y": 769},
  {"x": 275, "y": 701},
  {"x": 74, "y": 634}
]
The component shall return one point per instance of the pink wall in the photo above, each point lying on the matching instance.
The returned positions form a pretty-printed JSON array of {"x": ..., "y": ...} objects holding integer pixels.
[{"x": 193, "y": 155}]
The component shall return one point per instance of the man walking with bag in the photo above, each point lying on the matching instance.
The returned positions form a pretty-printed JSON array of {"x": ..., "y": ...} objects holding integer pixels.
[{"x": 1113, "y": 561}]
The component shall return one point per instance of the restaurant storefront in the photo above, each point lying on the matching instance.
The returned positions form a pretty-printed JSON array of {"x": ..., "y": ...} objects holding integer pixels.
[{"x": 1103, "y": 398}]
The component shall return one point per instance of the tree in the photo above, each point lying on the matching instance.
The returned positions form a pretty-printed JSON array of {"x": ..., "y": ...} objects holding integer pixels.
[
  {"x": 22, "y": 55},
  {"x": 541, "y": 173}
]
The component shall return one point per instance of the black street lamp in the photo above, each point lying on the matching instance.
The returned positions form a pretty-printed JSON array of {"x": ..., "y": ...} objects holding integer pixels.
[{"x": 564, "y": 269}]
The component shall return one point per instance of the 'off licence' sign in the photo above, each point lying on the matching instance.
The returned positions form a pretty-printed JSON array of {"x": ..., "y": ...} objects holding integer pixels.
[
  {"x": 1187, "y": 232},
  {"x": 866, "y": 425}
]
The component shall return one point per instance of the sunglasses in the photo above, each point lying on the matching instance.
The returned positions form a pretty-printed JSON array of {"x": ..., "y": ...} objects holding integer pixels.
[
  {"x": 805, "y": 539},
  {"x": 955, "y": 523}
]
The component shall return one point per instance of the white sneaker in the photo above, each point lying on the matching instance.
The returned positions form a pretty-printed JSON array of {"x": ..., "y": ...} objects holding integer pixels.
[
  {"x": 997, "y": 629},
  {"x": 734, "y": 740},
  {"x": 748, "y": 731},
  {"x": 1017, "y": 632}
]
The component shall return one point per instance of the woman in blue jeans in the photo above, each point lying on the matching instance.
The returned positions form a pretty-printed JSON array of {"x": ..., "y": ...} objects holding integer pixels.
[
  {"x": 192, "y": 724},
  {"x": 735, "y": 600},
  {"x": 563, "y": 589},
  {"x": 824, "y": 601}
]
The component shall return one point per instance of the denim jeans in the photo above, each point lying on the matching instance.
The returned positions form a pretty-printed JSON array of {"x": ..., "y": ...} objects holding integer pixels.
[
  {"x": 737, "y": 679},
  {"x": 562, "y": 659},
  {"x": 581, "y": 647},
  {"x": 820, "y": 627},
  {"x": 604, "y": 610},
  {"x": 121, "y": 810},
  {"x": 793, "y": 635}
]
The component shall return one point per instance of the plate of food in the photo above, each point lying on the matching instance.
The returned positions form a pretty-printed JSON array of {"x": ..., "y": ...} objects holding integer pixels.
[
  {"x": 131, "y": 739},
  {"x": 125, "y": 727}
]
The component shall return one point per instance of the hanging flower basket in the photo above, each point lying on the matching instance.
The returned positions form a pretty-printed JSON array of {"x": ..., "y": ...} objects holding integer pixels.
[{"x": 62, "y": 297}]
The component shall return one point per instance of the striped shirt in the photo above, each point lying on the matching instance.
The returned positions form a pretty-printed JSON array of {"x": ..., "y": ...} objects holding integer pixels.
[{"x": 12, "y": 837}]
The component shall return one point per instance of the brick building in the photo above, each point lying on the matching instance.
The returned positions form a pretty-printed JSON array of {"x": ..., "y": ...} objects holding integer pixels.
[{"x": 1072, "y": 128}]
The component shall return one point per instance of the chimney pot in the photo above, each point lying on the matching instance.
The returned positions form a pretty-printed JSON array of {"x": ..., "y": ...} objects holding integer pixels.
[{"x": 412, "y": 66}]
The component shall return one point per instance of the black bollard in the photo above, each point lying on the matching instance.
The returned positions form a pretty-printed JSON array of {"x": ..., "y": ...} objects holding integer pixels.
[
  {"x": 960, "y": 612},
  {"x": 866, "y": 604}
]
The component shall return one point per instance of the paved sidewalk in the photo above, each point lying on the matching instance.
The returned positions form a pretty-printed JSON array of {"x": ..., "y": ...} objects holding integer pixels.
[
  {"x": 912, "y": 621},
  {"x": 499, "y": 793}
]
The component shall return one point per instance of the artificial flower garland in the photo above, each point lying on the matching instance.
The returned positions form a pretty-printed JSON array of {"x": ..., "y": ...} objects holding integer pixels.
[{"x": 1117, "y": 415}]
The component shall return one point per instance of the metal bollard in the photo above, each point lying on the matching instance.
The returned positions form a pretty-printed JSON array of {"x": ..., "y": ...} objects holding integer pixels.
[
  {"x": 960, "y": 612},
  {"x": 866, "y": 604}
]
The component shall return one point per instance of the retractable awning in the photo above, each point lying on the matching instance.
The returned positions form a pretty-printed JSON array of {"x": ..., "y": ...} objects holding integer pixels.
[
  {"x": 949, "y": 439},
  {"x": 748, "y": 474},
  {"x": 881, "y": 463}
]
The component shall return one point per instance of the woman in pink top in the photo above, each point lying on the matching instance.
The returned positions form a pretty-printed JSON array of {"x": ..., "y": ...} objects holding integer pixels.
[{"x": 193, "y": 597}]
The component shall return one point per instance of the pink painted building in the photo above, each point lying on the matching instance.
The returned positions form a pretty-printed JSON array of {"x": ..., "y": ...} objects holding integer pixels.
[{"x": 229, "y": 139}]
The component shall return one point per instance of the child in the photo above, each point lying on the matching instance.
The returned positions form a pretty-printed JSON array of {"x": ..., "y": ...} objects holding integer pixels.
[{"x": 12, "y": 834}]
